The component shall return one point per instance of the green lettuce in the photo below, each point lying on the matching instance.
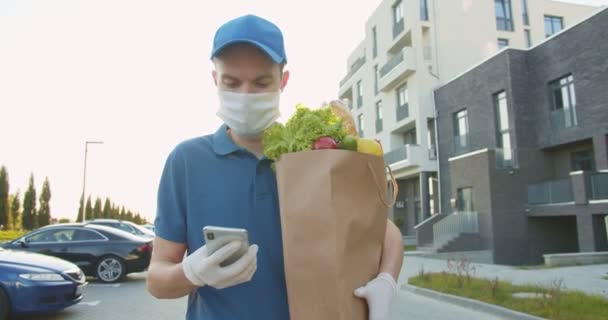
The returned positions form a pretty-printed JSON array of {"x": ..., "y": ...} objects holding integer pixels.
[{"x": 301, "y": 131}]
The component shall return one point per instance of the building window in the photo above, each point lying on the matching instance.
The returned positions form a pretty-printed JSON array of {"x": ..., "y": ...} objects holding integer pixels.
[
  {"x": 553, "y": 25},
  {"x": 375, "y": 42},
  {"x": 424, "y": 10},
  {"x": 398, "y": 24},
  {"x": 582, "y": 160},
  {"x": 524, "y": 12},
  {"x": 563, "y": 98},
  {"x": 378, "y": 116},
  {"x": 528, "y": 36},
  {"x": 461, "y": 131},
  {"x": 504, "y": 18},
  {"x": 464, "y": 200},
  {"x": 402, "y": 103},
  {"x": 359, "y": 94},
  {"x": 504, "y": 154},
  {"x": 360, "y": 124},
  {"x": 503, "y": 43},
  {"x": 376, "y": 79}
]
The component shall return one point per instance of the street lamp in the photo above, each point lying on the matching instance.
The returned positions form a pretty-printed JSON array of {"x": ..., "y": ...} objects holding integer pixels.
[{"x": 84, "y": 176}]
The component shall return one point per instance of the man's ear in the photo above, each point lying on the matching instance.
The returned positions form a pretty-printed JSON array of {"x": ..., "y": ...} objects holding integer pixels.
[
  {"x": 214, "y": 75},
  {"x": 284, "y": 79}
]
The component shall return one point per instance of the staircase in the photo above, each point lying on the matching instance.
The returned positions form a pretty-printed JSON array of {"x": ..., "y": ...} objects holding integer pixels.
[{"x": 455, "y": 232}]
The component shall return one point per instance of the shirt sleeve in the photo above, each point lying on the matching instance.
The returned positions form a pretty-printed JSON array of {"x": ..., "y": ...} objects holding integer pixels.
[{"x": 170, "y": 222}]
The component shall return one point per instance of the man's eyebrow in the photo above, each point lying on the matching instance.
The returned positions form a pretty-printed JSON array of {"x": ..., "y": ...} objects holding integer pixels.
[
  {"x": 264, "y": 77},
  {"x": 229, "y": 77}
]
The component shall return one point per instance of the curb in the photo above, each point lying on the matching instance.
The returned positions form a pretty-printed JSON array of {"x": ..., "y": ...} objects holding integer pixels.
[{"x": 471, "y": 304}]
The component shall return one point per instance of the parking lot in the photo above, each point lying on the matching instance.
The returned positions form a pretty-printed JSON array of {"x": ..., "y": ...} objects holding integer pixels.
[{"x": 127, "y": 300}]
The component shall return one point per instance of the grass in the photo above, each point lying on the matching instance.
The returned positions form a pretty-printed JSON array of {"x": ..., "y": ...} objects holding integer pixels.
[
  {"x": 605, "y": 277},
  {"x": 10, "y": 235},
  {"x": 556, "y": 303},
  {"x": 409, "y": 248}
]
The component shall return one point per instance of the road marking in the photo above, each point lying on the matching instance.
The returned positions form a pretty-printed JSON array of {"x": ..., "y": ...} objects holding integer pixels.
[
  {"x": 99, "y": 285},
  {"x": 90, "y": 303}
]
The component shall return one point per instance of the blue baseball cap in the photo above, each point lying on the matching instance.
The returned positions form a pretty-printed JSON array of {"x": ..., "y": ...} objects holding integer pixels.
[{"x": 254, "y": 30}]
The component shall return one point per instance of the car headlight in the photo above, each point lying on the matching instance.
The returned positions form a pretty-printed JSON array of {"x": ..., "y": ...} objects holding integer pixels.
[{"x": 41, "y": 277}]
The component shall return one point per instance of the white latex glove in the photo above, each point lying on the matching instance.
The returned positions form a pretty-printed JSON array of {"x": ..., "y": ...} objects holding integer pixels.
[
  {"x": 378, "y": 293},
  {"x": 202, "y": 269}
]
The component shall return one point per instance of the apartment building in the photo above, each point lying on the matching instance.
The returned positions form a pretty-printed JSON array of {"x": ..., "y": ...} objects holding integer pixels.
[
  {"x": 410, "y": 48},
  {"x": 523, "y": 145}
]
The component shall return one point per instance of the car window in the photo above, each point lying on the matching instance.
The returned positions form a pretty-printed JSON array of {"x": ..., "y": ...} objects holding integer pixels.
[
  {"x": 137, "y": 231},
  {"x": 126, "y": 227},
  {"x": 86, "y": 235},
  {"x": 43, "y": 236}
]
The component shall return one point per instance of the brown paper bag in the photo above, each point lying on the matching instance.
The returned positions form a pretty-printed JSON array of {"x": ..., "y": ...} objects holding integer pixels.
[{"x": 333, "y": 216}]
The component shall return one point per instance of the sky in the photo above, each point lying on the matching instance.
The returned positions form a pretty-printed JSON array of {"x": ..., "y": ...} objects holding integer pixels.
[{"x": 136, "y": 75}]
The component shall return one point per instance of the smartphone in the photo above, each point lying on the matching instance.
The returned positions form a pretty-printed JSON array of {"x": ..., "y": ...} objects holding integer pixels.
[{"x": 217, "y": 237}]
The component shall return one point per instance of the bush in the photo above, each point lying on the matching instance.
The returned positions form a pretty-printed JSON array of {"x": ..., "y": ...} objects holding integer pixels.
[{"x": 10, "y": 235}]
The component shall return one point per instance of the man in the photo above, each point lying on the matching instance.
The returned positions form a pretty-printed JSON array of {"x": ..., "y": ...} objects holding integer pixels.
[{"x": 223, "y": 179}]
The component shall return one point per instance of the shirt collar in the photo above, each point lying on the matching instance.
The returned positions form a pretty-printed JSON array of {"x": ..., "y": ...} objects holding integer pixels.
[{"x": 222, "y": 143}]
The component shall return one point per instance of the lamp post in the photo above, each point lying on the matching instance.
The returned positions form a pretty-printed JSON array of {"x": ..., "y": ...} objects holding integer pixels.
[{"x": 84, "y": 176}]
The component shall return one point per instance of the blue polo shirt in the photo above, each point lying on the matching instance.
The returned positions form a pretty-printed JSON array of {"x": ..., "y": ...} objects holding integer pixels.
[{"x": 212, "y": 181}]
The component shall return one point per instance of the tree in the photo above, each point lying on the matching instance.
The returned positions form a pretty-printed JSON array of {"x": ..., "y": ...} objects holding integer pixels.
[
  {"x": 29, "y": 206},
  {"x": 123, "y": 214},
  {"x": 88, "y": 211},
  {"x": 15, "y": 210},
  {"x": 115, "y": 212},
  {"x": 129, "y": 216},
  {"x": 107, "y": 209},
  {"x": 97, "y": 213},
  {"x": 4, "y": 206},
  {"x": 44, "y": 213},
  {"x": 64, "y": 220}
]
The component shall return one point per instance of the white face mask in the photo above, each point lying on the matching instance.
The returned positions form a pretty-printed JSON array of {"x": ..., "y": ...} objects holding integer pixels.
[{"x": 249, "y": 114}]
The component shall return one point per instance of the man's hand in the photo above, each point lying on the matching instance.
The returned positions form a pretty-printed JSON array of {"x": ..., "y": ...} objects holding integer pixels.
[
  {"x": 378, "y": 293},
  {"x": 202, "y": 269}
]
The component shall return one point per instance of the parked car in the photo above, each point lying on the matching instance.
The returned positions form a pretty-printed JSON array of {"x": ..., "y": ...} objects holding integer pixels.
[
  {"x": 127, "y": 226},
  {"x": 32, "y": 283},
  {"x": 104, "y": 252},
  {"x": 150, "y": 227}
]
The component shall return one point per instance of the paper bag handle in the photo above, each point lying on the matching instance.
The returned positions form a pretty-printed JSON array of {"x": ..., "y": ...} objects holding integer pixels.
[{"x": 394, "y": 186}]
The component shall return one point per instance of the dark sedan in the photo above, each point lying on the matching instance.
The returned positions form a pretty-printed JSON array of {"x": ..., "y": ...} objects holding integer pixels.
[
  {"x": 104, "y": 252},
  {"x": 35, "y": 283}
]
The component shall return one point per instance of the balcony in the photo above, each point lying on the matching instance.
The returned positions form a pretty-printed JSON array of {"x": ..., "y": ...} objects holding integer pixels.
[
  {"x": 599, "y": 186},
  {"x": 563, "y": 118},
  {"x": 550, "y": 192},
  {"x": 353, "y": 69},
  {"x": 406, "y": 156},
  {"x": 397, "y": 68},
  {"x": 461, "y": 144}
]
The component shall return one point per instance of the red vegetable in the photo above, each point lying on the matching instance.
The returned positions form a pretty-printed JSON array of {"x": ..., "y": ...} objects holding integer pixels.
[{"x": 325, "y": 143}]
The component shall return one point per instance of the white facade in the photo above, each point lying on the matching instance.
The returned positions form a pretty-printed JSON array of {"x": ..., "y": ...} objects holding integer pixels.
[{"x": 422, "y": 54}]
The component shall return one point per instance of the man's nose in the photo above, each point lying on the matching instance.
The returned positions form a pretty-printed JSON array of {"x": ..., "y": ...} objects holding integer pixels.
[{"x": 247, "y": 88}]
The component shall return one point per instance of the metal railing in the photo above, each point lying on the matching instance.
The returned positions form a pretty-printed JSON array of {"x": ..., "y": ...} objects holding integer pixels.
[
  {"x": 599, "y": 186},
  {"x": 353, "y": 69},
  {"x": 396, "y": 155},
  {"x": 550, "y": 192},
  {"x": 454, "y": 225}
]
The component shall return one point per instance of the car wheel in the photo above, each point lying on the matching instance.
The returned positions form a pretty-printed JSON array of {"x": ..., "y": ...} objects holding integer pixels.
[
  {"x": 5, "y": 305},
  {"x": 110, "y": 269}
]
